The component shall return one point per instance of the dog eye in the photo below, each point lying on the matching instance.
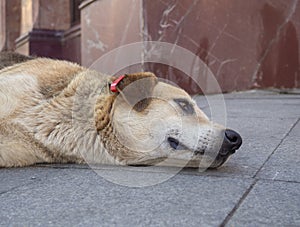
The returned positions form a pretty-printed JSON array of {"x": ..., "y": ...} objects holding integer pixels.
[{"x": 185, "y": 105}]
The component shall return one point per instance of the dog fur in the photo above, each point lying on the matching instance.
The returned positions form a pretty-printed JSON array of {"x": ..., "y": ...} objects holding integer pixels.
[{"x": 54, "y": 111}]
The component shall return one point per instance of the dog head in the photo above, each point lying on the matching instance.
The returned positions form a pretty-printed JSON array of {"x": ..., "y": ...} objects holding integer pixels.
[{"x": 152, "y": 122}]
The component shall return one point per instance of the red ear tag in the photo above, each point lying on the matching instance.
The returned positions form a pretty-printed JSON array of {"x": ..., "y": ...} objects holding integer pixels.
[{"x": 113, "y": 86}]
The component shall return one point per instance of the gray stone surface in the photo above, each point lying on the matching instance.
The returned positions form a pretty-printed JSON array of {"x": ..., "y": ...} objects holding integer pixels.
[
  {"x": 263, "y": 118},
  {"x": 252, "y": 105},
  {"x": 270, "y": 203},
  {"x": 295, "y": 132},
  {"x": 14, "y": 178},
  {"x": 258, "y": 186},
  {"x": 285, "y": 162},
  {"x": 68, "y": 197}
]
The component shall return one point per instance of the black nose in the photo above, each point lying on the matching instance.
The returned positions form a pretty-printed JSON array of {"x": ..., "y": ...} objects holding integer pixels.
[
  {"x": 233, "y": 138},
  {"x": 232, "y": 141}
]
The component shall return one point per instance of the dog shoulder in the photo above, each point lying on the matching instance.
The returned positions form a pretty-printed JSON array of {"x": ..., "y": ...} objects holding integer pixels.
[
  {"x": 52, "y": 76},
  {"x": 37, "y": 79},
  {"x": 10, "y": 58}
]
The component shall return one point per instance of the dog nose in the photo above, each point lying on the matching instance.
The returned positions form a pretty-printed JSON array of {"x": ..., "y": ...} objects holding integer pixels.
[
  {"x": 233, "y": 138},
  {"x": 232, "y": 141}
]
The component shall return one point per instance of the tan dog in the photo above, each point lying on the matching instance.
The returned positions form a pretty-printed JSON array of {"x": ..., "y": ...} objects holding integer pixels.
[{"x": 58, "y": 112}]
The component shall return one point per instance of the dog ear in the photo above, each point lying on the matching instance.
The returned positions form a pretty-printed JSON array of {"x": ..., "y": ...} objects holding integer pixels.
[{"x": 137, "y": 89}]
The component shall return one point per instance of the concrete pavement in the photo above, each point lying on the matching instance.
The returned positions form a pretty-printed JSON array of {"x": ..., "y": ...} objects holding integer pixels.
[{"x": 258, "y": 186}]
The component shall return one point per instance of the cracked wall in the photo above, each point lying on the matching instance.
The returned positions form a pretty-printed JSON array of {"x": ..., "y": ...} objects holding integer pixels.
[{"x": 246, "y": 44}]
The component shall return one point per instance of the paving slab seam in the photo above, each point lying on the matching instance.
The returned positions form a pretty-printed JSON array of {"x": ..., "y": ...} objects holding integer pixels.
[
  {"x": 61, "y": 167},
  {"x": 218, "y": 175},
  {"x": 278, "y": 180},
  {"x": 238, "y": 204},
  {"x": 258, "y": 117},
  {"x": 184, "y": 172},
  {"x": 264, "y": 98},
  {"x": 281, "y": 141},
  {"x": 14, "y": 188}
]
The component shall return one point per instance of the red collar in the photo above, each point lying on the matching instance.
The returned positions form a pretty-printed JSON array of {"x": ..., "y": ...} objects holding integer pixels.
[{"x": 113, "y": 86}]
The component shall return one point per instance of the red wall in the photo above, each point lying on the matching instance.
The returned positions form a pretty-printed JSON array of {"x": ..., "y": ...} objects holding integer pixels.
[{"x": 246, "y": 44}]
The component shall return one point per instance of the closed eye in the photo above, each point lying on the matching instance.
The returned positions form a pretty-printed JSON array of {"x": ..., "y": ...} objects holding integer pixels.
[{"x": 185, "y": 105}]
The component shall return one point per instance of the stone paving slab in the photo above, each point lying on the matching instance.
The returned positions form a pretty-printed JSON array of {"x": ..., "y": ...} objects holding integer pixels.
[
  {"x": 252, "y": 105},
  {"x": 256, "y": 149},
  {"x": 263, "y": 118},
  {"x": 14, "y": 178},
  {"x": 270, "y": 203},
  {"x": 285, "y": 162},
  {"x": 295, "y": 133},
  {"x": 68, "y": 197}
]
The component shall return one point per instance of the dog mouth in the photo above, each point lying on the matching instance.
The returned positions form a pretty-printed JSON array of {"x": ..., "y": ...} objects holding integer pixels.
[
  {"x": 218, "y": 160},
  {"x": 176, "y": 145}
]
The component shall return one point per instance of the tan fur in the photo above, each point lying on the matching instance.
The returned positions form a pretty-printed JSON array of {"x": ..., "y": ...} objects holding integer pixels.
[{"x": 57, "y": 111}]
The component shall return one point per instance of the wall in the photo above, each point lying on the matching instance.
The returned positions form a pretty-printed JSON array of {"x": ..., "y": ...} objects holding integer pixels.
[
  {"x": 246, "y": 44},
  {"x": 10, "y": 23},
  {"x": 108, "y": 24},
  {"x": 39, "y": 28}
]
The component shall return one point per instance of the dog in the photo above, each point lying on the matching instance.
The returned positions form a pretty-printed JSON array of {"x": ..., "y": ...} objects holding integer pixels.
[{"x": 54, "y": 111}]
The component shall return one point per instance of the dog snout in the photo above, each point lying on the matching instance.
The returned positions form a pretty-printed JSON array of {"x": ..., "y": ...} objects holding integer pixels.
[{"x": 232, "y": 141}]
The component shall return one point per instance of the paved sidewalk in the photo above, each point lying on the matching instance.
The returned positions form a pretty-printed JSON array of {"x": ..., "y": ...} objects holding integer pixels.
[{"x": 259, "y": 186}]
